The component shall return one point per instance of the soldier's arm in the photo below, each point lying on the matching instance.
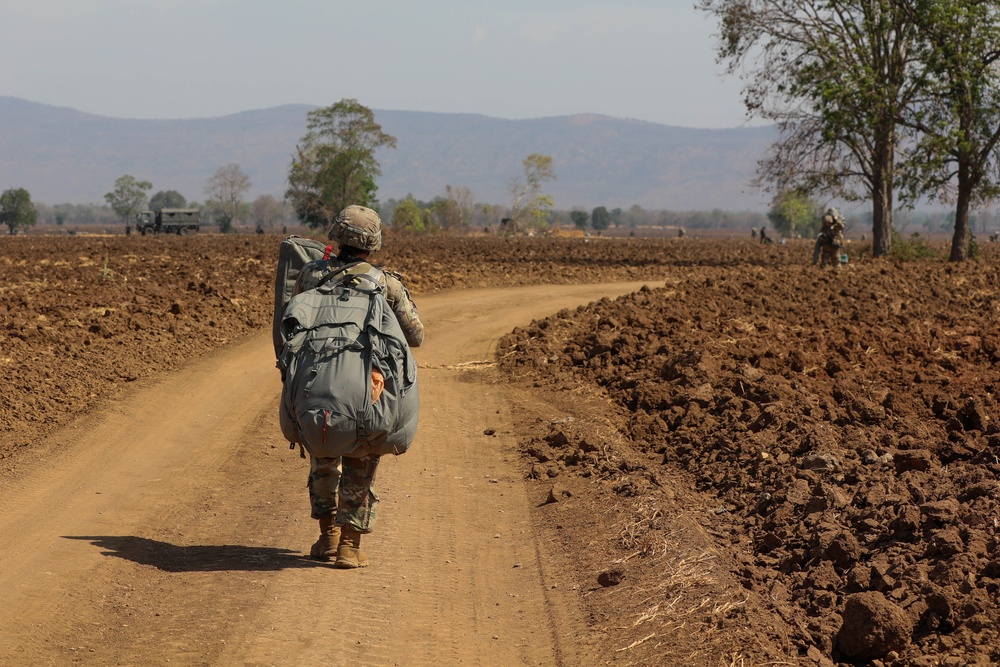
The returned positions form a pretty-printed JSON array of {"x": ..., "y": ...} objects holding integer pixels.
[{"x": 404, "y": 308}]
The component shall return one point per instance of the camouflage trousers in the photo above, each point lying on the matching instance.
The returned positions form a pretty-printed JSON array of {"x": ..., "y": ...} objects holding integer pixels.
[
  {"x": 342, "y": 486},
  {"x": 829, "y": 254}
]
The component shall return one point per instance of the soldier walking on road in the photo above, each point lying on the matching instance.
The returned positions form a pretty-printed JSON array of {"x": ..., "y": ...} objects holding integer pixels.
[{"x": 340, "y": 488}]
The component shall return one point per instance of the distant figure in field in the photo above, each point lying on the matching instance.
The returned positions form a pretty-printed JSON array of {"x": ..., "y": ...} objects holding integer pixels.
[
  {"x": 764, "y": 238},
  {"x": 830, "y": 239},
  {"x": 753, "y": 232}
]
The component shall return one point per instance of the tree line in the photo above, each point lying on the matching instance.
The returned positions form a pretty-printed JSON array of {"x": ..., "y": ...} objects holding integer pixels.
[
  {"x": 224, "y": 206},
  {"x": 882, "y": 100},
  {"x": 831, "y": 141}
]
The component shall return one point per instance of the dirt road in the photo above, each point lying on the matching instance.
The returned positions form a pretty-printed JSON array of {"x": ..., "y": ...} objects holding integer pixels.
[{"x": 169, "y": 528}]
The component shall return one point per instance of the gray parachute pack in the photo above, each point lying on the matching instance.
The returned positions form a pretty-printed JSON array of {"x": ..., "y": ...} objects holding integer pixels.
[
  {"x": 293, "y": 253},
  {"x": 332, "y": 337}
]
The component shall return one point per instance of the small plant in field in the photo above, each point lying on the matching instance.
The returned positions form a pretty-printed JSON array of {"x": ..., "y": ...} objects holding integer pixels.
[{"x": 105, "y": 273}]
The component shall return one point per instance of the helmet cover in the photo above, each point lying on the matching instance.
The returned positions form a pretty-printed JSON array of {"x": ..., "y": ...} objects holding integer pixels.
[{"x": 358, "y": 227}]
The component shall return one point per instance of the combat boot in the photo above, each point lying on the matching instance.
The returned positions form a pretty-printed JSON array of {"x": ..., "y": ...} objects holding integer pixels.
[
  {"x": 329, "y": 536},
  {"x": 349, "y": 554}
]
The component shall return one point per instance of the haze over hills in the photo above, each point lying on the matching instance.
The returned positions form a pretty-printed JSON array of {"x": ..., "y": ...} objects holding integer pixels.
[{"x": 65, "y": 156}]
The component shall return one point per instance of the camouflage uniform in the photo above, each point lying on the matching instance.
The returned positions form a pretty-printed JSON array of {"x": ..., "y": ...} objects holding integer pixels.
[
  {"x": 830, "y": 240},
  {"x": 342, "y": 485}
]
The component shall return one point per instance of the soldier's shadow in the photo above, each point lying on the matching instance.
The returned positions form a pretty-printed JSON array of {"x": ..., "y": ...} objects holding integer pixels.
[{"x": 173, "y": 558}]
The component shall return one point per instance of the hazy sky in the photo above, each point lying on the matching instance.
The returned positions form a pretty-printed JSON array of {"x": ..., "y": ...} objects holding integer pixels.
[{"x": 651, "y": 60}]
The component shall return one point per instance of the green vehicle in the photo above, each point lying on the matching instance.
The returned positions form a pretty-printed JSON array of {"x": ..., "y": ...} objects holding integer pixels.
[{"x": 168, "y": 221}]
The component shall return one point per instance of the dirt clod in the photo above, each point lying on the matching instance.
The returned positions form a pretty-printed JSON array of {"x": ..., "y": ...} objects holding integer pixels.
[
  {"x": 611, "y": 577},
  {"x": 873, "y": 626},
  {"x": 839, "y": 430}
]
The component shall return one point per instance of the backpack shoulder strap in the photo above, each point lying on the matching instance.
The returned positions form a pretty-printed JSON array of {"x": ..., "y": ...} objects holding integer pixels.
[{"x": 353, "y": 273}]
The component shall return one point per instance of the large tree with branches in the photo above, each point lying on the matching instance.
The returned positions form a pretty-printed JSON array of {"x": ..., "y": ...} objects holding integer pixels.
[
  {"x": 835, "y": 75},
  {"x": 334, "y": 163},
  {"x": 128, "y": 198},
  {"x": 16, "y": 210},
  {"x": 957, "y": 117}
]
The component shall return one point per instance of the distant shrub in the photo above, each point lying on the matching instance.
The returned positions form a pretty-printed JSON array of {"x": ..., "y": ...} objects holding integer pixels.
[
  {"x": 973, "y": 248},
  {"x": 912, "y": 248}
]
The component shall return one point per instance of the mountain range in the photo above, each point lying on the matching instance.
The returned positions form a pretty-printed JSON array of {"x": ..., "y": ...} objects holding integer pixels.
[{"x": 62, "y": 155}]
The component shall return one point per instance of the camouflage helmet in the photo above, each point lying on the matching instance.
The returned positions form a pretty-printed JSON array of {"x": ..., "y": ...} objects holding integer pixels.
[
  {"x": 358, "y": 227},
  {"x": 833, "y": 213}
]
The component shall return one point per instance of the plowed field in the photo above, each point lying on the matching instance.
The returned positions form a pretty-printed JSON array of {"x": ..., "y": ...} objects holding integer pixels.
[{"x": 749, "y": 460}]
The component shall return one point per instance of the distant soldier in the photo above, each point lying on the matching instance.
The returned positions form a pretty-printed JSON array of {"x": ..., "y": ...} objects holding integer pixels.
[
  {"x": 764, "y": 238},
  {"x": 830, "y": 240}
]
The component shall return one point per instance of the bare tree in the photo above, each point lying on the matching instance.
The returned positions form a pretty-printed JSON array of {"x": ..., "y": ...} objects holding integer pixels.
[
  {"x": 225, "y": 190},
  {"x": 454, "y": 210},
  {"x": 529, "y": 204},
  {"x": 266, "y": 210}
]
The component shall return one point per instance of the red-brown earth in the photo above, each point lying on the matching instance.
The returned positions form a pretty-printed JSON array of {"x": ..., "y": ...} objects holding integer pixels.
[
  {"x": 84, "y": 316},
  {"x": 748, "y": 462},
  {"x": 839, "y": 429}
]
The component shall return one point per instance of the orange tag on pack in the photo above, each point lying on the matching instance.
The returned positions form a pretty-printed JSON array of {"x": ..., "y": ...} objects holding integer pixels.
[{"x": 378, "y": 384}]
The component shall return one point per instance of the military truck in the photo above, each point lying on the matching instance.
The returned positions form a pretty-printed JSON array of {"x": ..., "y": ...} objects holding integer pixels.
[{"x": 168, "y": 221}]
